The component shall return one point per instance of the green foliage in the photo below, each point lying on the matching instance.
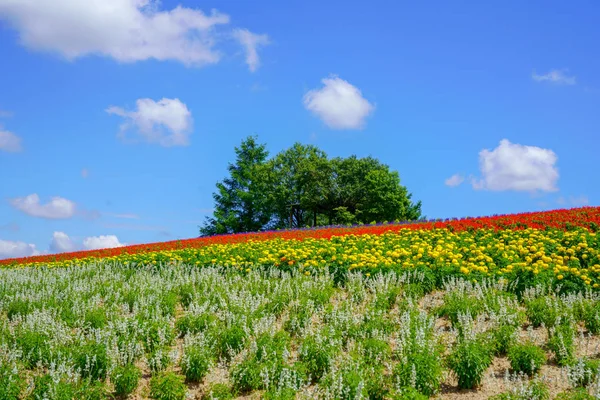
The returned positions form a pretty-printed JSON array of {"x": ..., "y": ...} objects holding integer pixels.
[
  {"x": 218, "y": 391},
  {"x": 95, "y": 318},
  {"x": 317, "y": 353},
  {"x": 407, "y": 393},
  {"x": 526, "y": 358},
  {"x": 562, "y": 343},
  {"x": 125, "y": 379},
  {"x": 195, "y": 323},
  {"x": 230, "y": 340},
  {"x": 167, "y": 386},
  {"x": 576, "y": 394},
  {"x": 34, "y": 345},
  {"x": 469, "y": 360},
  {"x": 583, "y": 372},
  {"x": 18, "y": 307},
  {"x": 196, "y": 362},
  {"x": 44, "y": 387},
  {"x": 503, "y": 337},
  {"x": 91, "y": 359},
  {"x": 592, "y": 318},
  {"x": 459, "y": 303},
  {"x": 241, "y": 200},
  {"x": 301, "y": 186},
  {"x": 535, "y": 390},
  {"x": 11, "y": 384}
]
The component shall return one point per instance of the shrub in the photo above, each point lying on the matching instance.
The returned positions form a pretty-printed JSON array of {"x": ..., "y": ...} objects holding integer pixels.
[
  {"x": 91, "y": 359},
  {"x": 95, "y": 318},
  {"x": 503, "y": 337},
  {"x": 562, "y": 343},
  {"x": 196, "y": 362},
  {"x": 526, "y": 358},
  {"x": 535, "y": 390},
  {"x": 458, "y": 303},
  {"x": 167, "y": 386},
  {"x": 44, "y": 387},
  {"x": 194, "y": 323},
  {"x": 11, "y": 384},
  {"x": 469, "y": 360},
  {"x": 125, "y": 379},
  {"x": 583, "y": 372},
  {"x": 317, "y": 352},
  {"x": 230, "y": 340}
]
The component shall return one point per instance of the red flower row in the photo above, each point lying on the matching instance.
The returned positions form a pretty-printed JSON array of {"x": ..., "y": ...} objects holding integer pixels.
[{"x": 586, "y": 217}]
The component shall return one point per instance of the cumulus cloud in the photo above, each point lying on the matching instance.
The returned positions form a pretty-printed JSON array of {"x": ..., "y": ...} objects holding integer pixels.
[
  {"x": 517, "y": 167},
  {"x": 124, "y": 30},
  {"x": 555, "y": 76},
  {"x": 9, "y": 141},
  {"x": 166, "y": 122},
  {"x": 101, "y": 242},
  {"x": 338, "y": 104},
  {"x": 251, "y": 41},
  {"x": 61, "y": 243},
  {"x": 454, "y": 180},
  {"x": 56, "y": 208},
  {"x": 10, "y": 249}
]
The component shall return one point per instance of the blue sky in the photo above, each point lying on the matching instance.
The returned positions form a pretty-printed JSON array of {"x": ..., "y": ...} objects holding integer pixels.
[{"x": 119, "y": 116}]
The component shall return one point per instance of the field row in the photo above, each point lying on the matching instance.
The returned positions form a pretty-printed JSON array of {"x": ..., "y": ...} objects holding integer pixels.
[
  {"x": 569, "y": 259},
  {"x": 95, "y": 331},
  {"x": 587, "y": 218}
]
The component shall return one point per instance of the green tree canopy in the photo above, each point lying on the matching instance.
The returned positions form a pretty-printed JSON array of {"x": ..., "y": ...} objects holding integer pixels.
[
  {"x": 301, "y": 186},
  {"x": 240, "y": 201}
]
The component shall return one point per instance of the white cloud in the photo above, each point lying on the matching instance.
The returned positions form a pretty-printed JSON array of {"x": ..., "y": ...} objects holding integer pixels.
[
  {"x": 126, "y": 30},
  {"x": 61, "y": 243},
  {"x": 10, "y": 249},
  {"x": 166, "y": 122},
  {"x": 85, "y": 173},
  {"x": 9, "y": 141},
  {"x": 338, "y": 104},
  {"x": 57, "y": 208},
  {"x": 101, "y": 242},
  {"x": 454, "y": 180},
  {"x": 251, "y": 41},
  {"x": 555, "y": 76},
  {"x": 516, "y": 167}
]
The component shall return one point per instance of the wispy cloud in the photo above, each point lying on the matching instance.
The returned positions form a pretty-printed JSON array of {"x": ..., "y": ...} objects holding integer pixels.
[
  {"x": 251, "y": 42},
  {"x": 573, "y": 201},
  {"x": 555, "y": 76},
  {"x": 56, "y": 208},
  {"x": 454, "y": 180},
  {"x": 166, "y": 122},
  {"x": 9, "y": 142}
]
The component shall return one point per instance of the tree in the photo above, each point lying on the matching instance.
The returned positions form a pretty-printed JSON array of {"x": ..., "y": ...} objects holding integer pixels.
[
  {"x": 241, "y": 200},
  {"x": 301, "y": 187},
  {"x": 365, "y": 190},
  {"x": 300, "y": 177}
]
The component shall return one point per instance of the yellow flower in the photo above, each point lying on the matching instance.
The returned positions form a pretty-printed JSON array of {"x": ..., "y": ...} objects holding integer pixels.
[{"x": 560, "y": 277}]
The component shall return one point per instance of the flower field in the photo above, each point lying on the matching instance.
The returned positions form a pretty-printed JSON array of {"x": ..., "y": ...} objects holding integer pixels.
[{"x": 504, "y": 307}]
